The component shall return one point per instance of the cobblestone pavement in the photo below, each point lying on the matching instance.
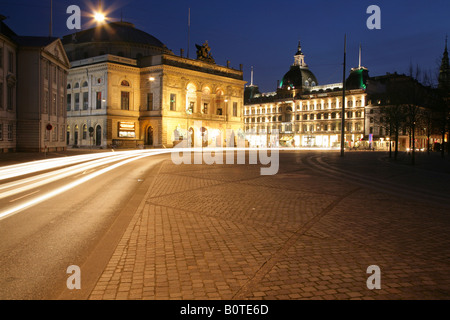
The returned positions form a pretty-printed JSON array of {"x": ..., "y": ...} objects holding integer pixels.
[{"x": 225, "y": 232}]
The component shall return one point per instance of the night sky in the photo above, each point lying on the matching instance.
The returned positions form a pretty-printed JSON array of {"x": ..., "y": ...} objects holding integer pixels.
[{"x": 264, "y": 34}]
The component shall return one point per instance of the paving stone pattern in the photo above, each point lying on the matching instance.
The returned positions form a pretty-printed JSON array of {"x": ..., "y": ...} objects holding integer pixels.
[{"x": 225, "y": 232}]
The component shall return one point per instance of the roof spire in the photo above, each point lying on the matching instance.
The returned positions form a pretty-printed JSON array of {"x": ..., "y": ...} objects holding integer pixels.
[
  {"x": 359, "y": 65},
  {"x": 446, "y": 38},
  {"x": 299, "y": 57},
  {"x": 251, "y": 82}
]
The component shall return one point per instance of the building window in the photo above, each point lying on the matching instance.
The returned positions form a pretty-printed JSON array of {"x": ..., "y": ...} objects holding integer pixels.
[
  {"x": 205, "y": 108},
  {"x": 1, "y": 95},
  {"x": 54, "y": 104},
  {"x": 235, "y": 109},
  {"x": 61, "y": 106},
  {"x": 69, "y": 102},
  {"x": 98, "y": 104},
  {"x": 11, "y": 61},
  {"x": 77, "y": 101},
  {"x": 45, "y": 105},
  {"x": 1, "y": 131},
  {"x": 173, "y": 102},
  {"x": 10, "y": 98},
  {"x": 1, "y": 58},
  {"x": 125, "y": 83},
  {"x": 45, "y": 65},
  {"x": 149, "y": 101},
  {"x": 85, "y": 100},
  {"x": 84, "y": 132},
  {"x": 10, "y": 132},
  {"x": 191, "y": 107},
  {"x": 125, "y": 100},
  {"x": 55, "y": 133}
]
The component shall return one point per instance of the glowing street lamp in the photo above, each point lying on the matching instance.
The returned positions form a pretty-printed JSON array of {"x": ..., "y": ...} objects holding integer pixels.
[{"x": 99, "y": 17}]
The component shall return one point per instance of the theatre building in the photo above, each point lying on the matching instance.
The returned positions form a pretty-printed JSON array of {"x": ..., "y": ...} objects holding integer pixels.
[{"x": 126, "y": 89}]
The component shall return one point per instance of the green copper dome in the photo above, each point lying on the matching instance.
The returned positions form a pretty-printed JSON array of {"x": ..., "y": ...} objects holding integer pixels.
[
  {"x": 357, "y": 79},
  {"x": 298, "y": 77}
]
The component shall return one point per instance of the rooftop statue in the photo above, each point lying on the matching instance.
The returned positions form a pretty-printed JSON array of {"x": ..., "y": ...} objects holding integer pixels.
[{"x": 204, "y": 52}]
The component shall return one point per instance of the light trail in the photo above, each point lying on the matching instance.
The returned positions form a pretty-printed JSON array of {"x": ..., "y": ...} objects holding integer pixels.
[
  {"x": 72, "y": 185},
  {"x": 23, "y": 185},
  {"x": 42, "y": 165}
]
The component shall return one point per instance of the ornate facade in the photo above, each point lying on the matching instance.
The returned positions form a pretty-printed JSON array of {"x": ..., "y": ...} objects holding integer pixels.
[{"x": 133, "y": 92}]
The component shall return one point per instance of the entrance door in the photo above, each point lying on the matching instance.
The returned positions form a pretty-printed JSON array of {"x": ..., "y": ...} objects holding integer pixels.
[
  {"x": 98, "y": 136},
  {"x": 150, "y": 136},
  {"x": 75, "y": 139}
]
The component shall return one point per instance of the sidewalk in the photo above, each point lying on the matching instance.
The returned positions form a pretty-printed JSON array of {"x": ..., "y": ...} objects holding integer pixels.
[{"x": 226, "y": 232}]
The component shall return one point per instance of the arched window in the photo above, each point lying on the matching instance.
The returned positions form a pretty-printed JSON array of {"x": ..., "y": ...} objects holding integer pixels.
[
  {"x": 85, "y": 84},
  {"x": 125, "y": 83},
  {"x": 69, "y": 86},
  {"x": 77, "y": 85},
  {"x": 84, "y": 132}
]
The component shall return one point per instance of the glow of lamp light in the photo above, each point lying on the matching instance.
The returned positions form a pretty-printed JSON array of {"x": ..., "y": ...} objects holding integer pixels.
[{"x": 99, "y": 17}]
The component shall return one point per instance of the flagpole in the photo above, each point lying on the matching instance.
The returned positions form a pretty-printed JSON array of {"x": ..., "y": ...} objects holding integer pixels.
[
  {"x": 51, "y": 19},
  {"x": 189, "y": 32},
  {"x": 343, "y": 101}
]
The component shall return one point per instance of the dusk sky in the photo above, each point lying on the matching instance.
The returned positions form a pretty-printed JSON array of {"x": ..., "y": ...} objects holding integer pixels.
[{"x": 264, "y": 34}]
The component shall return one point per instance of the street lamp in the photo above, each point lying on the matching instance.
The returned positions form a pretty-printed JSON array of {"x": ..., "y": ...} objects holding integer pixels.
[{"x": 99, "y": 17}]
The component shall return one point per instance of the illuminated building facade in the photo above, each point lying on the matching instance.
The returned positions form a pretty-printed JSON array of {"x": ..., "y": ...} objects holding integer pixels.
[
  {"x": 305, "y": 113},
  {"x": 33, "y": 75},
  {"x": 126, "y": 89}
]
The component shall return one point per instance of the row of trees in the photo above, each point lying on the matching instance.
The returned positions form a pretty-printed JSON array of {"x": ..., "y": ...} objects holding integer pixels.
[{"x": 407, "y": 104}]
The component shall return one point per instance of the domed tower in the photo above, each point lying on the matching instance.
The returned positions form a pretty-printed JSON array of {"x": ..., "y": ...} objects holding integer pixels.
[{"x": 299, "y": 77}]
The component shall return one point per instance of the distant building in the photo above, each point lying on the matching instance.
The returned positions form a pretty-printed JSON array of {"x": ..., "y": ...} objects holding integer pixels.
[
  {"x": 305, "y": 113},
  {"x": 127, "y": 89},
  {"x": 33, "y": 73}
]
